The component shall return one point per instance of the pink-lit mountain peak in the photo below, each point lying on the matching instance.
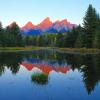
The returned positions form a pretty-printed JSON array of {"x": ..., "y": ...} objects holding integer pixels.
[
  {"x": 64, "y": 22},
  {"x": 29, "y": 25},
  {"x": 47, "y": 20},
  {"x": 46, "y": 23}
]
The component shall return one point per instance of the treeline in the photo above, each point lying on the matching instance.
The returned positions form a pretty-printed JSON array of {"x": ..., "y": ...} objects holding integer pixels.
[
  {"x": 87, "y": 35},
  {"x": 11, "y": 36}
]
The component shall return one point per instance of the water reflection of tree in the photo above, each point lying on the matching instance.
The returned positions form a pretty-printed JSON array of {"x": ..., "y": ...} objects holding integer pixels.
[
  {"x": 90, "y": 70},
  {"x": 50, "y": 55},
  {"x": 11, "y": 61},
  {"x": 89, "y": 73}
]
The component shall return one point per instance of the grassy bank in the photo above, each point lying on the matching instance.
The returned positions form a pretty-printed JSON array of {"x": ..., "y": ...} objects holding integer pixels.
[
  {"x": 81, "y": 50},
  {"x": 30, "y": 48},
  {"x": 15, "y": 49}
]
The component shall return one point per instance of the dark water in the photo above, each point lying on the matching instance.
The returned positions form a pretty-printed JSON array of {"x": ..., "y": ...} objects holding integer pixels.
[{"x": 70, "y": 76}]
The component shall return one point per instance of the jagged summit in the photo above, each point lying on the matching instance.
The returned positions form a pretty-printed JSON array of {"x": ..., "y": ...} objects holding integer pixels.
[
  {"x": 29, "y": 25},
  {"x": 48, "y": 26}
]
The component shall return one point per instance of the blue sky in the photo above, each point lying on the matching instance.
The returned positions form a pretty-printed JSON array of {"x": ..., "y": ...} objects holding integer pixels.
[{"x": 23, "y": 11}]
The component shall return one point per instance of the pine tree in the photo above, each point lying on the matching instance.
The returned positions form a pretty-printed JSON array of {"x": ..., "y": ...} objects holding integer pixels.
[
  {"x": 80, "y": 41},
  {"x": 90, "y": 24},
  {"x": 97, "y": 38},
  {"x": 2, "y": 36},
  {"x": 15, "y": 34},
  {"x": 59, "y": 40},
  {"x": 41, "y": 40},
  {"x": 70, "y": 38}
]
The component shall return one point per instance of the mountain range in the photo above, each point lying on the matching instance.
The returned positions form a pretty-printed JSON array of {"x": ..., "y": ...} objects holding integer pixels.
[
  {"x": 47, "y": 26},
  {"x": 45, "y": 68}
]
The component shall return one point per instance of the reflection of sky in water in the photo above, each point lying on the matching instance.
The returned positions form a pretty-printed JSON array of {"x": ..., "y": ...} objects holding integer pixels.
[{"x": 60, "y": 87}]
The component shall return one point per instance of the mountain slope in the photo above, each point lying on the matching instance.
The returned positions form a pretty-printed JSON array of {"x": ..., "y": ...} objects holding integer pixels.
[{"x": 47, "y": 26}]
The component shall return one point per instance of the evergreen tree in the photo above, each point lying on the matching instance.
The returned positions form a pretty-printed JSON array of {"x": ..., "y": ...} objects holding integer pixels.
[
  {"x": 59, "y": 40},
  {"x": 2, "y": 36},
  {"x": 97, "y": 38},
  {"x": 27, "y": 40},
  {"x": 96, "y": 42},
  {"x": 90, "y": 24},
  {"x": 71, "y": 38},
  {"x": 80, "y": 41},
  {"x": 41, "y": 40},
  {"x": 15, "y": 35},
  {"x": 1, "y": 33}
]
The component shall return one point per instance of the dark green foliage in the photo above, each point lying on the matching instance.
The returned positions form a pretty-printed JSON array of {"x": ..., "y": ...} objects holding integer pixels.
[
  {"x": 90, "y": 24},
  {"x": 70, "y": 38},
  {"x": 15, "y": 35},
  {"x": 59, "y": 40},
  {"x": 40, "y": 78},
  {"x": 96, "y": 43},
  {"x": 11, "y": 36},
  {"x": 80, "y": 41},
  {"x": 1, "y": 36},
  {"x": 41, "y": 40},
  {"x": 10, "y": 60},
  {"x": 27, "y": 40}
]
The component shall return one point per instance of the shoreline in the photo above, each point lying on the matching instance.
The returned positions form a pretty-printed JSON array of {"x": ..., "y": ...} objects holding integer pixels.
[
  {"x": 18, "y": 49},
  {"x": 81, "y": 50},
  {"x": 71, "y": 50}
]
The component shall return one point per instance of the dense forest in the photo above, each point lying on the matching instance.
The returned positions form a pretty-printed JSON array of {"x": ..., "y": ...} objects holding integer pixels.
[{"x": 87, "y": 35}]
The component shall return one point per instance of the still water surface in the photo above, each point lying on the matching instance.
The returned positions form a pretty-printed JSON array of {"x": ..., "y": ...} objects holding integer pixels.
[{"x": 70, "y": 76}]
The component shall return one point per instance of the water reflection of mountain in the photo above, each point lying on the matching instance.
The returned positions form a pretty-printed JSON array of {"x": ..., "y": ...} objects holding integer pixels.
[
  {"x": 45, "y": 68},
  {"x": 88, "y": 65}
]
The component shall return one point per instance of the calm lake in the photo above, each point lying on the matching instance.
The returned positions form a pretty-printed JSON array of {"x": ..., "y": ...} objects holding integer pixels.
[{"x": 69, "y": 76}]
